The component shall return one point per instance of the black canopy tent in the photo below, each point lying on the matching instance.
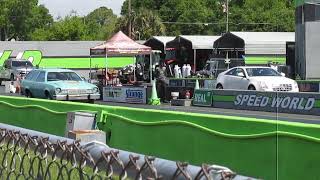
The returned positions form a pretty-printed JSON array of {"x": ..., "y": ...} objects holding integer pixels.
[
  {"x": 158, "y": 42},
  {"x": 194, "y": 50},
  {"x": 229, "y": 46}
]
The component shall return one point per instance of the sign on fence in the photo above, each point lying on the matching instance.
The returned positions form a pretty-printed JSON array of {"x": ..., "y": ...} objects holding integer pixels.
[
  {"x": 135, "y": 95},
  {"x": 296, "y": 103},
  {"x": 202, "y": 97}
]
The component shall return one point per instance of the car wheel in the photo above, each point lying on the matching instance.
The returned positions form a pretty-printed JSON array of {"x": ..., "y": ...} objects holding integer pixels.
[
  {"x": 28, "y": 94},
  {"x": 91, "y": 101},
  {"x": 252, "y": 88},
  {"x": 11, "y": 77},
  {"x": 48, "y": 96},
  {"x": 219, "y": 86}
]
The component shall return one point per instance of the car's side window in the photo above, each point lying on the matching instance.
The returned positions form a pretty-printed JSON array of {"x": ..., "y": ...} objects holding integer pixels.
[
  {"x": 231, "y": 72},
  {"x": 238, "y": 71},
  {"x": 41, "y": 77},
  {"x": 30, "y": 75}
]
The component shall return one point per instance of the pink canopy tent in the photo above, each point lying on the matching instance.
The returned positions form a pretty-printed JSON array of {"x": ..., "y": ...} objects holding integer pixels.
[{"x": 120, "y": 44}]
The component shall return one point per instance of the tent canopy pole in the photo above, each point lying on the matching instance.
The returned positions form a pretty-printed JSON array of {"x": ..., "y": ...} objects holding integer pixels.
[{"x": 194, "y": 60}]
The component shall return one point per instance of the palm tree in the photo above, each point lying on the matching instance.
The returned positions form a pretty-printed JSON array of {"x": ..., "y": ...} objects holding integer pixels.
[{"x": 144, "y": 24}]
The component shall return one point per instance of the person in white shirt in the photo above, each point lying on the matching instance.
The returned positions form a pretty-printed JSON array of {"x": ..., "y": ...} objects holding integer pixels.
[{"x": 12, "y": 88}]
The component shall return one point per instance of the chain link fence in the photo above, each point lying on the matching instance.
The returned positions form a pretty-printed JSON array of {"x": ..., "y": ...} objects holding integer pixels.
[{"x": 23, "y": 156}]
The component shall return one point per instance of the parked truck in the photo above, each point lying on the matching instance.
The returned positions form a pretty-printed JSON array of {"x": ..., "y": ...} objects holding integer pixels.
[
  {"x": 215, "y": 66},
  {"x": 14, "y": 68}
]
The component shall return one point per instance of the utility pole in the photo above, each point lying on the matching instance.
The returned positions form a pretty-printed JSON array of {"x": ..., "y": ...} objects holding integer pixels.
[
  {"x": 227, "y": 10},
  {"x": 129, "y": 15}
]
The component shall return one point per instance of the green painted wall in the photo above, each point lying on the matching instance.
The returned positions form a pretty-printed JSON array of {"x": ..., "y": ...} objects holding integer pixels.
[
  {"x": 5, "y": 55},
  {"x": 35, "y": 54},
  {"x": 264, "y": 60},
  {"x": 112, "y": 62},
  {"x": 246, "y": 145},
  {"x": 70, "y": 62}
]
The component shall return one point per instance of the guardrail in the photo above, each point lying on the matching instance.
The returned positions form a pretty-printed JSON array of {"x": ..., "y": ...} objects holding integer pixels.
[{"x": 32, "y": 155}]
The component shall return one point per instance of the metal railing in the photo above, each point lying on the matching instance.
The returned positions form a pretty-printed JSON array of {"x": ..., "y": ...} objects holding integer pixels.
[{"x": 29, "y": 156}]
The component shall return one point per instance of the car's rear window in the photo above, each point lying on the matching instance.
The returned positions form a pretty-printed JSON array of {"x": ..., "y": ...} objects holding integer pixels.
[
  {"x": 21, "y": 64},
  {"x": 63, "y": 76}
]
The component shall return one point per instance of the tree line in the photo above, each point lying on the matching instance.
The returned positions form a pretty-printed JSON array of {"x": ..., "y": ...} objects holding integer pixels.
[{"x": 27, "y": 20}]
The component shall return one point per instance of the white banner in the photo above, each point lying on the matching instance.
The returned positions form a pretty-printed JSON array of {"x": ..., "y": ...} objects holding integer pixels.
[{"x": 135, "y": 95}]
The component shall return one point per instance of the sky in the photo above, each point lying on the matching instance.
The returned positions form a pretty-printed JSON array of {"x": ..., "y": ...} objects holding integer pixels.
[{"x": 82, "y": 7}]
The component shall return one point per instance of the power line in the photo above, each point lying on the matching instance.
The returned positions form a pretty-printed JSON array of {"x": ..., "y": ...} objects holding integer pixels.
[{"x": 215, "y": 23}]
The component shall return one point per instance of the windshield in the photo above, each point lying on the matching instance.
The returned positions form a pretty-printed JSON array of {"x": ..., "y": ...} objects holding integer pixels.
[
  {"x": 21, "y": 63},
  {"x": 63, "y": 76},
  {"x": 262, "y": 72}
]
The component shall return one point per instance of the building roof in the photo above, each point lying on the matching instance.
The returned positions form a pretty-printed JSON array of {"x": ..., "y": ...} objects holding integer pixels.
[
  {"x": 51, "y": 48},
  {"x": 266, "y": 42},
  {"x": 201, "y": 42}
]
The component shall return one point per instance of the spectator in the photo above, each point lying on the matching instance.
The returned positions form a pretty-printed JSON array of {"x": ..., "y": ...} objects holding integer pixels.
[
  {"x": 12, "y": 88},
  {"x": 162, "y": 82},
  {"x": 18, "y": 85}
]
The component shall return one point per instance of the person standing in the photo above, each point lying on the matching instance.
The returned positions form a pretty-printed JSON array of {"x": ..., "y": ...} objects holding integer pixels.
[
  {"x": 12, "y": 88},
  {"x": 18, "y": 84},
  {"x": 161, "y": 78}
]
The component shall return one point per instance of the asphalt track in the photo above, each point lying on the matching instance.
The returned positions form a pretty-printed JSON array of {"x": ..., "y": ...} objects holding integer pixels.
[{"x": 309, "y": 119}]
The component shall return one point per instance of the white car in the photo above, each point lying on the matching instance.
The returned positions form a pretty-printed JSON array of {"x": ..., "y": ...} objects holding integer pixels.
[{"x": 255, "y": 78}]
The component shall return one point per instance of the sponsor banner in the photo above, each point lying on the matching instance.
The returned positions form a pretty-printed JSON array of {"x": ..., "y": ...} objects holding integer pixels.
[
  {"x": 296, "y": 103},
  {"x": 202, "y": 97},
  {"x": 135, "y": 95},
  {"x": 210, "y": 84}
]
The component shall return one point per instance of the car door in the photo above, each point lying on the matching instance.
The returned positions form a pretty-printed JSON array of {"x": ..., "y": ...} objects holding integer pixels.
[
  {"x": 239, "y": 79},
  {"x": 228, "y": 79},
  {"x": 29, "y": 82},
  {"x": 26, "y": 82},
  {"x": 2, "y": 70},
  {"x": 6, "y": 69},
  {"x": 39, "y": 85}
]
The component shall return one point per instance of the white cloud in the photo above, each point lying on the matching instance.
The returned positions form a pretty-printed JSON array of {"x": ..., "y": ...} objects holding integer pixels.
[{"x": 82, "y": 7}]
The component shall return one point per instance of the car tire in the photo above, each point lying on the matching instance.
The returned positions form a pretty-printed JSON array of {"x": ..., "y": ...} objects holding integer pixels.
[
  {"x": 91, "y": 101},
  {"x": 28, "y": 93},
  {"x": 219, "y": 86},
  {"x": 48, "y": 96},
  {"x": 252, "y": 88},
  {"x": 11, "y": 77}
]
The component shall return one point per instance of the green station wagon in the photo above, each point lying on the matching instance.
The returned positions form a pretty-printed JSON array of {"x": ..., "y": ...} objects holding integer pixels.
[{"x": 59, "y": 84}]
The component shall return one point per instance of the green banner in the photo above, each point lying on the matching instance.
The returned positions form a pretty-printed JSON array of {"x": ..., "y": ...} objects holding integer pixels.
[{"x": 202, "y": 97}]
